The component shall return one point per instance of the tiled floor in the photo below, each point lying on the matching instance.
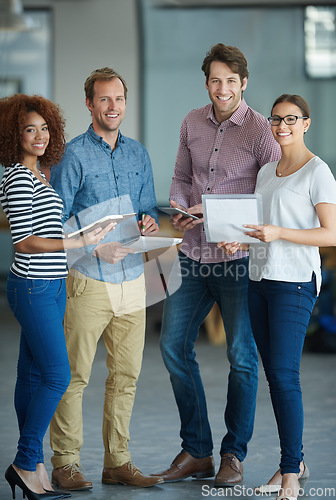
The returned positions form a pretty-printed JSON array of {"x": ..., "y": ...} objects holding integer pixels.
[{"x": 155, "y": 426}]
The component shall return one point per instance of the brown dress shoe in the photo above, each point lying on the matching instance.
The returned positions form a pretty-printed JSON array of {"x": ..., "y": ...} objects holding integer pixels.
[
  {"x": 130, "y": 475},
  {"x": 184, "y": 465},
  {"x": 70, "y": 478},
  {"x": 230, "y": 471}
]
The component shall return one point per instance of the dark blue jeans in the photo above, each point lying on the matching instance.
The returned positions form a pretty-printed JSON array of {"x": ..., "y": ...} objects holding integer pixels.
[
  {"x": 201, "y": 285},
  {"x": 43, "y": 372},
  {"x": 280, "y": 313}
]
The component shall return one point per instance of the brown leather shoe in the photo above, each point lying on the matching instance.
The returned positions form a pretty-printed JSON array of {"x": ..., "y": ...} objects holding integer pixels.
[
  {"x": 184, "y": 465},
  {"x": 70, "y": 478},
  {"x": 230, "y": 471},
  {"x": 130, "y": 475}
]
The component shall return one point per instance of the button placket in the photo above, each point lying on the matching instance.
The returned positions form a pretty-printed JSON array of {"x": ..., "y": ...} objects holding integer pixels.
[{"x": 214, "y": 159}]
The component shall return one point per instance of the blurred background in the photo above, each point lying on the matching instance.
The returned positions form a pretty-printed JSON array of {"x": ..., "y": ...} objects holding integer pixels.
[{"x": 49, "y": 47}]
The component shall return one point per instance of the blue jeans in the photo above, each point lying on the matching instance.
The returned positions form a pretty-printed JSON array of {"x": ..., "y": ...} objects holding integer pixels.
[
  {"x": 43, "y": 371},
  {"x": 280, "y": 313},
  {"x": 184, "y": 311}
]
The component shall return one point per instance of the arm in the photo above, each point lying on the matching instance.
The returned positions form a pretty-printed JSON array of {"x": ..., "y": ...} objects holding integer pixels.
[
  {"x": 115, "y": 252},
  {"x": 148, "y": 224},
  {"x": 20, "y": 210},
  {"x": 36, "y": 244},
  {"x": 65, "y": 178},
  {"x": 181, "y": 186},
  {"x": 323, "y": 236},
  {"x": 180, "y": 190}
]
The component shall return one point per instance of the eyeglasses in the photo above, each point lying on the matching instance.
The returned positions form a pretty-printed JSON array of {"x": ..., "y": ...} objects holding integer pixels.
[{"x": 288, "y": 119}]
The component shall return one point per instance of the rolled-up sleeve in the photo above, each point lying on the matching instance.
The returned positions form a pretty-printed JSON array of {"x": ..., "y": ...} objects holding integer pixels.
[{"x": 181, "y": 186}]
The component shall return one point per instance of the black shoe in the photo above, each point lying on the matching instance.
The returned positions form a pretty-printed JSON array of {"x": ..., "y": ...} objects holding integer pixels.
[
  {"x": 14, "y": 479},
  {"x": 62, "y": 494}
]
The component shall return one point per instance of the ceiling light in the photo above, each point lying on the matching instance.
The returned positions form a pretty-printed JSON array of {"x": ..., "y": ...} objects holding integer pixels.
[{"x": 12, "y": 17}]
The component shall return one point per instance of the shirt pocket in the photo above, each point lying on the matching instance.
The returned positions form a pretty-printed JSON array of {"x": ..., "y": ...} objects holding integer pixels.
[
  {"x": 130, "y": 183},
  {"x": 98, "y": 187},
  {"x": 135, "y": 182}
]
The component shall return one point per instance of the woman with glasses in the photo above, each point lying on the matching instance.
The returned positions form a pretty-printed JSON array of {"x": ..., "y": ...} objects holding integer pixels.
[
  {"x": 299, "y": 209},
  {"x": 32, "y": 135}
]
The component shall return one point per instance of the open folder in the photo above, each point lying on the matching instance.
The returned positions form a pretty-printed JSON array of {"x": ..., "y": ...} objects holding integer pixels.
[
  {"x": 226, "y": 214},
  {"x": 103, "y": 222}
]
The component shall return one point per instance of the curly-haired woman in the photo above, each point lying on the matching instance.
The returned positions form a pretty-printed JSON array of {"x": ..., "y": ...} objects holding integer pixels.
[{"x": 32, "y": 133}]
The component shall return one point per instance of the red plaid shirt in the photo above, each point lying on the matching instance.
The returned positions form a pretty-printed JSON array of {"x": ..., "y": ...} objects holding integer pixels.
[{"x": 219, "y": 158}]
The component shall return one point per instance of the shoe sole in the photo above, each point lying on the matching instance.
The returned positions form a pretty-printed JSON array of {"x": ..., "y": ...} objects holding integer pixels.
[
  {"x": 113, "y": 481},
  {"x": 198, "y": 475},
  {"x": 71, "y": 489},
  {"x": 226, "y": 484}
]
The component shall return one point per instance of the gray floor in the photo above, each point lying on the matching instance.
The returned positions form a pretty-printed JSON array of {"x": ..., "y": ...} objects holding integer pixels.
[{"x": 155, "y": 428}]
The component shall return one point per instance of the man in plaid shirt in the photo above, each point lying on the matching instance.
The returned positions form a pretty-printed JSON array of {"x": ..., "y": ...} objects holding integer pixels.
[{"x": 222, "y": 147}]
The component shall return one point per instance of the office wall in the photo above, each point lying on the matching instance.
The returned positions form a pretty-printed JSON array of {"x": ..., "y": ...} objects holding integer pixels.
[
  {"x": 90, "y": 34},
  {"x": 272, "y": 39}
]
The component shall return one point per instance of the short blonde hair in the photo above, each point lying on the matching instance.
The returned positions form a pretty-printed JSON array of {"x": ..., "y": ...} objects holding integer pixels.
[{"x": 101, "y": 74}]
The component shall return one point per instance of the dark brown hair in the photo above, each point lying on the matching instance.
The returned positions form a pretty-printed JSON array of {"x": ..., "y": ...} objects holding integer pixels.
[
  {"x": 231, "y": 56},
  {"x": 293, "y": 99},
  {"x": 13, "y": 113},
  {"x": 101, "y": 74}
]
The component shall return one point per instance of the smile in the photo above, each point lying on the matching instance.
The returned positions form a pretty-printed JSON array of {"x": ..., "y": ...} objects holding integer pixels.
[
  {"x": 224, "y": 98},
  {"x": 283, "y": 134}
]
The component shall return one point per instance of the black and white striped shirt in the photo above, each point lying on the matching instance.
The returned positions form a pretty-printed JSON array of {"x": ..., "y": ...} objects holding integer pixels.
[{"x": 33, "y": 208}]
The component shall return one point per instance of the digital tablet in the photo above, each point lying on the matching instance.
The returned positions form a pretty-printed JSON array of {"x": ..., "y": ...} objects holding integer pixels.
[{"x": 177, "y": 211}]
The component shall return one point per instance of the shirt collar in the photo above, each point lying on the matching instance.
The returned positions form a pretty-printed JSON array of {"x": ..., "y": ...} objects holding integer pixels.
[
  {"x": 237, "y": 117},
  {"x": 100, "y": 140}
]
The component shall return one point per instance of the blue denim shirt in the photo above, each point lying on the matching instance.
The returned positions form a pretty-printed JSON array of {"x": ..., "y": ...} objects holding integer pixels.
[{"x": 94, "y": 181}]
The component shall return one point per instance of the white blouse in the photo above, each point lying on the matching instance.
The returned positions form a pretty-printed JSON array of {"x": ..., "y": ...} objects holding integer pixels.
[{"x": 290, "y": 202}]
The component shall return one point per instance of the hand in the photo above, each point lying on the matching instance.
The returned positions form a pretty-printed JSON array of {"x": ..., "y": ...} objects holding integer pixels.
[
  {"x": 232, "y": 247},
  {"x": 149, "y": 225},
  {"x": 98, "y": 234},
  {"x": 183, "y": 223},
  {"x": 90, "y": 238},
  {"x": 112, "y": 252},
  {"x": 265, "y": 233}
]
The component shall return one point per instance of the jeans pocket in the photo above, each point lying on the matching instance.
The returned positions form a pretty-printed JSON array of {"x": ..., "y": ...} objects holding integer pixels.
[
  {"x": 75, "y": 287},
  {"x": 61, "y": 286},
  {"x": 37, "y": 286}
]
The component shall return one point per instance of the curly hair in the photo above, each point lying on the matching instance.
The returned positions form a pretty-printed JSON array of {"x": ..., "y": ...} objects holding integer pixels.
[
  {"x": 229, "y": 55},
  {"x": 13, "y": 112}
]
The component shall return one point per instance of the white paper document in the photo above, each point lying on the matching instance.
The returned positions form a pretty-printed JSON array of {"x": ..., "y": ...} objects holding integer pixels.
[
  {"x": 225, "y": 216},
  {"x": 147, "y": 243}
]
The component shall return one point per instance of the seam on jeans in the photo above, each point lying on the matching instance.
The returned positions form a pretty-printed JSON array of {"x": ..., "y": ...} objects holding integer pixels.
[
  {"x": 185, "y": 360},
  {"x": 114, "y": 383}
]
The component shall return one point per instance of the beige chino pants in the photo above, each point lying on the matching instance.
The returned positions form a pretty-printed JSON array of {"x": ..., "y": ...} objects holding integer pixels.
[{"x": 116, "y": 312}]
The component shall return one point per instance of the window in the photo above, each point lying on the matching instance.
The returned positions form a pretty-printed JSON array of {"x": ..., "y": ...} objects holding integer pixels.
[{"x": 320, "y": 41}]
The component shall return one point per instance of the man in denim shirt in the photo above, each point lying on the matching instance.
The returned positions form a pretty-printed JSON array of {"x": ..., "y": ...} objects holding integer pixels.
[{"x": 105, "y": 287}]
